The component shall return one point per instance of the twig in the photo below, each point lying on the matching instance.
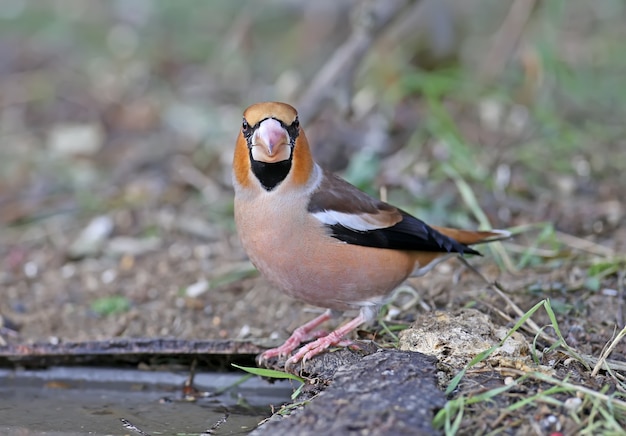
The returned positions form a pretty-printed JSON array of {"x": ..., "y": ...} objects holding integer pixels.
[
  {"x": 190, "y": 175},
  {"x": 590, "y": 360},
  {"x": 217, "y": 424},
  {"x": 505, "y": 316},
  {"x": 621, "y": 277},
  {"x": 342, "y": 65},
  {"x": 507, "y": 38},
  {"x": 534, "y": 251},
  {"x": 584, "y": 245},
  {"x": 582, "y": 389},
  {"x": 500, "y": 291},
  {"x": 132, "y": 427},
  {"x": 607, "y": 352},
  {"x": 616, "y": 365}
]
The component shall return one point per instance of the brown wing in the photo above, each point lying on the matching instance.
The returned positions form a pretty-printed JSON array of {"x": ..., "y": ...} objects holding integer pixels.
[{"x": 355, "y": 217}]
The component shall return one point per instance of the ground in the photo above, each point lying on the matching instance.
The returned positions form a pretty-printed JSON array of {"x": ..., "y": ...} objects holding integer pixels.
[{"x": 117, "y": 134}]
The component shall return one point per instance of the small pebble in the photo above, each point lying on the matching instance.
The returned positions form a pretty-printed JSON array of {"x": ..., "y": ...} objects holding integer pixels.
[
  {"x": 197, "y": 289},
  {"x": 551, "y": 422},
  {"x": 108, "y": 276},
  {"x": 180, "y": 303},
  {"x": 68, "y": 270},
  {"x": 75, "y": 139},
  {"x": 572, "y": 404},
  {"x": 125, "y": 246},
  {"x": 92, "y": 238},
  {"x": 275, "y": 335},
  {"x": 244, "y": 332},
  {"x": 491, "y": 114},
  {"x": 609, "y": 292},
  {"x": 30, "y": 269}
]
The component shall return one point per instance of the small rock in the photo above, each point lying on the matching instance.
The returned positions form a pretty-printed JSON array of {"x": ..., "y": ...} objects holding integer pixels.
[
  {"x": 550, "y": 423},
  {"x": 68, "y": 270},
  {"x": 191, "y": 121},
  {"x": 609, "y": 292},
  {"x": 124, "y": 246},
  {"x": 31, "y": 269},
  {"x": 572, "y": 404},
  {"x": 244, "y": 332},
  {"x": 456, "y": 338},
  {"x": 108, "y": 276},
  {"x": 197, "y": 227},
  {"x": 491, "y": 114},
  {"x": 197, "y": 289},
  {"x": 92, "y": 238},
  {"x": 75, "y": 139},
  {"x": 517, "y": 120}
]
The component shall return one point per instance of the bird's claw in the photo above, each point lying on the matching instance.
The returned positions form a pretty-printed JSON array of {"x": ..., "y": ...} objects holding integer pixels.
[{"x": 316, "y": 347}]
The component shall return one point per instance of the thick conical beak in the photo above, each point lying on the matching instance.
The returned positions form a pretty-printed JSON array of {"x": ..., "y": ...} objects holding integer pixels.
[{"x": 270, "y": 142}]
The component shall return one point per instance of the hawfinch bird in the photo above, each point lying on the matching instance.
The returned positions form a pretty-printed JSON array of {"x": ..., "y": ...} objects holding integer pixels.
[{"x": 320, "y": 239}]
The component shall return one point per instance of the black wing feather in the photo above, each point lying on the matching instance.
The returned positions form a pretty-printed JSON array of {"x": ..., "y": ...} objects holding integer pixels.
[{"x": 409, "y": 234}]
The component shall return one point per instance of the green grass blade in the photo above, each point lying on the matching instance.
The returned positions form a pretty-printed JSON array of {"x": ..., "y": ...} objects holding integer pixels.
[
  {"x": 557, "y": 330},
  {"x": 270, "y": 373}
]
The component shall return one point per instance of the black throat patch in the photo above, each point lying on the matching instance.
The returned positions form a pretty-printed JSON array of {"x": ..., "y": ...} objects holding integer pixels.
[{"x": 270, "y": 174}]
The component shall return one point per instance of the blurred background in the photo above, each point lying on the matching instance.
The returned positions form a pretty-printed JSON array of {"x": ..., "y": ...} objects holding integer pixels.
[{"x": 118, "y": 120}]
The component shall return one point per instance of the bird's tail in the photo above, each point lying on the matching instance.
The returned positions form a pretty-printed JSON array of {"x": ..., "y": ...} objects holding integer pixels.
[{"x": 470, "y": 237}]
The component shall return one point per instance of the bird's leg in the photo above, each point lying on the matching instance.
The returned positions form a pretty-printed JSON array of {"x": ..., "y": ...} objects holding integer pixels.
[
  {"x": 333, "y": 338},
  {"x": 301, "y": 334}
]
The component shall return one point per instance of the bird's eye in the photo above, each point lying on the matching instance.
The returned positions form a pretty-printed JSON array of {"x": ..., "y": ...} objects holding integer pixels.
[
  {"x": 245, "y": 125},
  {"x": 296, "y": 123}
]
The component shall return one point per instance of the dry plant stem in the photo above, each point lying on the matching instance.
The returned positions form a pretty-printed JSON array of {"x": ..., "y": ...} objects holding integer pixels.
[
  {"x": 585, "y": 245},
  {"x": 132, "y": 427},
  {"x": 218, "y": 423},
  {"x": 507, "y": 38},
  {"x": 192, "y": 374},
  {"x": 341, "y": 68},
  {"x": 620, "y": 297},
  {"x": 498, "y": 248},
  {"x": 498, "y": 289},
  {"x": 548, "y": 379},
  {"x": 541, "y": 252},
  {"x": 591, "y": 360},
  {"x": 501, "y": 313},
  {"x": 189, "y": 174},
  {"x": 607, "y": 352},
  {"x": 501, "y": 417},
  {"x": 610, "y": 363}
]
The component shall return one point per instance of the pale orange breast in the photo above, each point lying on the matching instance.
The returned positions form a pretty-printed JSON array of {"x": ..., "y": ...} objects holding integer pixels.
[{"x": 293, "y": 250}]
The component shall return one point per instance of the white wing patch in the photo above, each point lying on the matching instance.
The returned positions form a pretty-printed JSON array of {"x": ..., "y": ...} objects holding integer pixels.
[
  {"x": 501, "y": 234},
  {"x": 360, "y": 222}
]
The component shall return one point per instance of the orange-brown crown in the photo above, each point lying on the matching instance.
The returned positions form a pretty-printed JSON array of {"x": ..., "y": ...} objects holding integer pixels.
[{"x": 270, "y": 109}]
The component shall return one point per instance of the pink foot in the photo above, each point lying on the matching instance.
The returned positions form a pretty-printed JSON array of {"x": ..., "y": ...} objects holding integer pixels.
[
  {"x": 301, "y": 334},
  {"x": 314, "y": 348},
  {"x": 333, "y": 338}
]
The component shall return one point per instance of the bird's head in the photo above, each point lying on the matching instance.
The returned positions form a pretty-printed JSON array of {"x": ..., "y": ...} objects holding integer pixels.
[{"x": 271, "y": 146}]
